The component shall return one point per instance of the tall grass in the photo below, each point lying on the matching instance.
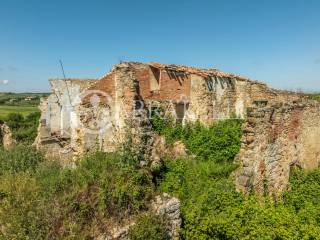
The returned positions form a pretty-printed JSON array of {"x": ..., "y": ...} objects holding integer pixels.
[{"x": 41, "y": 200}]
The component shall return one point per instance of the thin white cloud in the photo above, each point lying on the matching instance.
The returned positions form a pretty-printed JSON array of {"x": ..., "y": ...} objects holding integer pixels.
[
  {"x": 4, "y": 82},
  {"x": 317, "y": 61}
]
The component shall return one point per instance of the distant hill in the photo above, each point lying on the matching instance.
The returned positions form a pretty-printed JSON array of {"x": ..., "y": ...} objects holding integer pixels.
[{"x": 21, "y": 99}]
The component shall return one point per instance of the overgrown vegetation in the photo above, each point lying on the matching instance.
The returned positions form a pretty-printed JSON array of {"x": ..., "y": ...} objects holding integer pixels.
[
  {"x": 41, "y": 200},
  {"x": 212, "y": 209},
  {"x": 151, "y": 227},
  {"x": 219, "y": 142},
  {"x": 22, "y": 120},
  {"x": 21, "y": 108},
  {"x": 24, "y": 129}
]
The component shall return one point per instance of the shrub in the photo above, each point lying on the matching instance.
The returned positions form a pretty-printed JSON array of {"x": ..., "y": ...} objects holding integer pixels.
[
  {"x": 151, "y": 227},
  {"x": 212, "y": 209},
  {"x": 305, "y": 189},
  {"x": 23, "y": 213},
  {"x": 210, "y": 206},
  {"x": 19, "y": 158},
  {"x": 219, "y": 142},
  {"x": 41, "y": 200},
  {"x": 24, "y": 129}
]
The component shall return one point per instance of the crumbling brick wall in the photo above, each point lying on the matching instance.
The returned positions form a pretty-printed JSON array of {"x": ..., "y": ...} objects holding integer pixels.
[
  {"x": 85, "y": 115},
  {"x": 117, "y": 92},
  {"x": 275, "y": 139},
  {"x": 161, "y": 85}
]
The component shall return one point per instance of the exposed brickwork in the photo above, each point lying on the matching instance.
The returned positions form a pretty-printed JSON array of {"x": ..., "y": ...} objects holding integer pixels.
[
  {"x": 171, "y": 86},
  {"x": 106, "y": 84}
]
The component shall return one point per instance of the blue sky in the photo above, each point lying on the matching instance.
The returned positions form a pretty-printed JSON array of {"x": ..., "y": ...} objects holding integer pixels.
[{"x": 277, "y": 42}]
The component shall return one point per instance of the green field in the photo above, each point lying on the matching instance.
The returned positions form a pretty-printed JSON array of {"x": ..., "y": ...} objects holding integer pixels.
[
  {"x": 21, "y": 99},
  {"x": 24, "y": 110},
  {"x": 23, "y": 103}
]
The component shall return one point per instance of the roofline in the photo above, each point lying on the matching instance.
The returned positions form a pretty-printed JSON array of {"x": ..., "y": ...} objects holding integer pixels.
[
  {"x": 214, "y": 72},
  {"x": 72, "y": 79}
]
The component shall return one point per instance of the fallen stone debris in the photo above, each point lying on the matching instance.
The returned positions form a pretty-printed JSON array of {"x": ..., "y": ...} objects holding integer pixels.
[{"x": 6, "y": 137}]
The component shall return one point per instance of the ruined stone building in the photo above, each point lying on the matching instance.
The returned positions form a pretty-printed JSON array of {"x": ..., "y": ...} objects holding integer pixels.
[{"x": 81, "y": 115}]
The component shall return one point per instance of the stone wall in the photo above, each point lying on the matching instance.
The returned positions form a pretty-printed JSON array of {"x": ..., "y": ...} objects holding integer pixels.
[
  {"x": 57, "y": 116},
  {"x": 104, "y": 125},
  {"x": 211, "y": 99},
  {"x": 6, "y": 138},
  {"x": 218, "y": 98},
  {"x": 275, "y": 139}
]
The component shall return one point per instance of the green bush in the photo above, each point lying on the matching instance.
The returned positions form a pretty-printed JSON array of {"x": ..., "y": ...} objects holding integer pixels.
[
  {"x": 41, "y": 200},
  {"x": 122, "y": 189},
  {"x": 304, "y": 191},
  {"x": 24, "y": 214},
  {"x": 213, "y": 209},
  {"x": 24, "y": 129},
  {"x": 151, "y": 227},
  {"x": 219, "y": 142},
  {"x": 19, "y": 158}
]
